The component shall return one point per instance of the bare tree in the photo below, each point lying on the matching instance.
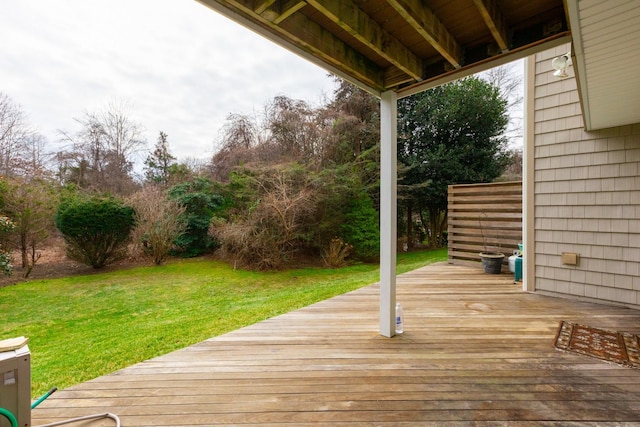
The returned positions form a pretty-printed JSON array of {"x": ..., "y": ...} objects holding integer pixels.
[
  {"x": 509, "y": 80},
  {"x": 31, "y": 204},
  {"x": 354, "y": 134},
  {"x": 240, "y": 132},
  {"x": 101, "y": 155},
  {"x": 514, "y": 169},
  {"x": 288, "y": 130},
  {"x": 158, "y": 222},
  {"x": 35, "y": 160},
  {"x": 239, "y": 139},
  {"x": 14, "y": 130},
  {"x": 293, "y": 129},
  {"x": 123, "y": 137}
]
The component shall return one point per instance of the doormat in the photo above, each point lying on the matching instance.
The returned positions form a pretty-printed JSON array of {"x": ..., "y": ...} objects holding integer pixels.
[{"x": 617, "y": 347}]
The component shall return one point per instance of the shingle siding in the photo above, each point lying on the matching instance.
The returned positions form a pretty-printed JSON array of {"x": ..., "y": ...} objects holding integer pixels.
[{"x": 586, "y": 196}]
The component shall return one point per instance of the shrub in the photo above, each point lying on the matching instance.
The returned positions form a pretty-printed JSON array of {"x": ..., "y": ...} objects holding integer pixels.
[
  {"x": 346, "y": 209},
  {"x": 159, "y": 222},
  {"x": 361, "y": 230},
  {"x": 96, "y": 230},
  {"x": 336, "y": 254},
  {"x": 6, "y": 226},
  {"x": 31, "y": 203},
  {"x": 274, "y": 224},
  {"x": 200, "y": 204}
]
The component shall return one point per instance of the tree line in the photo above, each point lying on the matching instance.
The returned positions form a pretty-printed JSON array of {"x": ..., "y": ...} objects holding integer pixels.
[{"x": 291, "y": 184}]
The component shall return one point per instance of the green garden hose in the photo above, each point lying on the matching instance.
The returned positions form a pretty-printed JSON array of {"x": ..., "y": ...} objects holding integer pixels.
[
  {"x": 14, "y": 422},
  {"x": 47, "y": 394},
  {"x": 8, "y": 415}
]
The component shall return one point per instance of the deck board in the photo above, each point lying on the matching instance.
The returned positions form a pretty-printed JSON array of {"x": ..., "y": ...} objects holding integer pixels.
[{"x": 476, "y": 351}]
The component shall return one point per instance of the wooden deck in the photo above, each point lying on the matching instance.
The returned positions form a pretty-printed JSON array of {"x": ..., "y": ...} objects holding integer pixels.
[{"x": 476, "y": 351}]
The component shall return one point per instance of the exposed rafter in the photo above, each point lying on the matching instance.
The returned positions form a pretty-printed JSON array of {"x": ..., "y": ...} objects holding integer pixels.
[
  {"x": 281, "y": 10},
  {"x": 427, "y": 24},
  {"x": 352, "y": 19},
  {"x": 403, "y": 45},
  {"x": 394, "y": 77},
  {"x": 490, "y": 12},
  {"x": 262, "y": 5},
  {"x": 308, "y": 36}
]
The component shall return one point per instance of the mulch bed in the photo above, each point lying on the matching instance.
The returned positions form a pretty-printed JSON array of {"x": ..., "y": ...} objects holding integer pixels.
[
  {"x": 53, "y": 263},
  {"x": 617, "y": 347}
]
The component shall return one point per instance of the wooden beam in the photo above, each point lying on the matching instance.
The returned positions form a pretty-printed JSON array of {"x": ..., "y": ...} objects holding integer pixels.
[
  {"x": 311, "y": 36},
  {"x": 394, "y": 77},
  {"x": 288, "y": 8},
  {"x": 427, "y": 24},
  {"x": 305, "y": 36},
  {"x": 348, "y": 16},
  {"x": 526, "y": 48},
  {"x": 490, "y": 12},
  {"x": 278, "y": 11},
  {"x": 262, "y": 5}
]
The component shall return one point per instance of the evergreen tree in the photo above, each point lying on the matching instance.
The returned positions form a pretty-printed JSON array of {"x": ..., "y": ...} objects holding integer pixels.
[
  {"x": 451, "y": 134},
  {"x": 158, "y": 163},
  {"x": 200, "y": 204}
]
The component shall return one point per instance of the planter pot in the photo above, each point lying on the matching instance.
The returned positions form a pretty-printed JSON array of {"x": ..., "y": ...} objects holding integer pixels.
[{"x": 492, "y": 262}]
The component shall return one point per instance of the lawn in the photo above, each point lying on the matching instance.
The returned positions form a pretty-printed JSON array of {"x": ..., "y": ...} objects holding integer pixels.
[{"x": 83, "y": 327}]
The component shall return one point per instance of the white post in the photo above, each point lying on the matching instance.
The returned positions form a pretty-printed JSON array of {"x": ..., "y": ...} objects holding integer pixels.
[{"x": 388, "y": 210}]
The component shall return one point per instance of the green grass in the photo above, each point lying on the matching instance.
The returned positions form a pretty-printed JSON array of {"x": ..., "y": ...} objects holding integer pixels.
[{"x": 83, "y": 327}]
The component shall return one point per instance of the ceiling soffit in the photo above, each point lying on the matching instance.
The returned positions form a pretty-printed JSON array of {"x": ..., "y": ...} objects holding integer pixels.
[{"x": 606, "y": 52}]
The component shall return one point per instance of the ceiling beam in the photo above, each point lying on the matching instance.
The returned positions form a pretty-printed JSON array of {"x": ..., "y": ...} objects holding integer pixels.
[
  {"x": 490, "y": 12},
  {"x": 281, "y": 10},
  {"x": 477, "y": 67},
  {"x": 307, "y": 37},
  {"x": 348, "y": 16},
  {"x": 262, "y": 5},
  {"x": 310, "y": 36},
  {"x": 394, "y": 77},
  {"x": 427, "y": 24}
]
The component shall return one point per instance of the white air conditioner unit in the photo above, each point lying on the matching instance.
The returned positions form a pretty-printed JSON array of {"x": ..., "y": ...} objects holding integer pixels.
[{"x": 15, "y": 381}]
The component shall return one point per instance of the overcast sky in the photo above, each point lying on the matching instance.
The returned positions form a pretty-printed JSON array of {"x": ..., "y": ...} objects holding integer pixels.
[{"x": 180, "y": 66}]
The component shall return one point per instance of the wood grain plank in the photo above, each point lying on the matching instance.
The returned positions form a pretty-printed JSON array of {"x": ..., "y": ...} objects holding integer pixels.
[{"x": 476, "y": 351}]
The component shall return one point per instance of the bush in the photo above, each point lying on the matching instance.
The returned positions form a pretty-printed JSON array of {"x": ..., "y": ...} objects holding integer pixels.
[
  {"x": 159, "y": 222},
  {"x": 282, "y": 212},
  {"x": 96, "y": 230},
  {"x": 361, "y": 230},
  {"x": 31, "y": 203},
  {"x": 272, "y": 225},
  {"x": 200, "y": 203},
  {"x": 346, "y": 210},
  {"x": 6, "y": 226},
  {"x": 336, "y": 254}
]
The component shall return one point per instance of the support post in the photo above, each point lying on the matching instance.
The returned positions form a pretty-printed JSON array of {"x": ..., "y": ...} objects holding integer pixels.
[{"x": 388, "y": 210}]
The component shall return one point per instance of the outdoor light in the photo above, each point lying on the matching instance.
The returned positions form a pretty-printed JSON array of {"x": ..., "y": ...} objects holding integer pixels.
[{"x": 560, "y": 64}]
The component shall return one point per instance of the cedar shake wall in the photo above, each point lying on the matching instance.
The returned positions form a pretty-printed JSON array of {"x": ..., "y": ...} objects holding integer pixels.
[{"x": 586, "y": 195}]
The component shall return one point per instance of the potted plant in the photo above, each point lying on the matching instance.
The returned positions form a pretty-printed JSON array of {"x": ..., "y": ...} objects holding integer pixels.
[
  {"x": 492, "y": 258},
  {"x": 492, "y": 262}
]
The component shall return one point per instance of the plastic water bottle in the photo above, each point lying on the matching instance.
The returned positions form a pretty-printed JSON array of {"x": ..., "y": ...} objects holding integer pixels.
[{"x": 399, "y": 319}]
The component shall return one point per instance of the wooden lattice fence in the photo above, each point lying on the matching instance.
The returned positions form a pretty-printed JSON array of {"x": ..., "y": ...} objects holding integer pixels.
[{"x": 483, "y": 217}]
